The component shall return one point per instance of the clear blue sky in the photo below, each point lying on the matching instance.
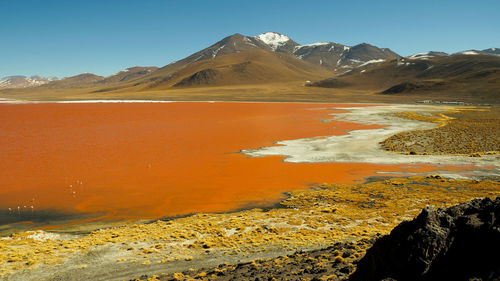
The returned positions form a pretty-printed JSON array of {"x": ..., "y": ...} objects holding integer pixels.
[{"x": 67, "y": 37}]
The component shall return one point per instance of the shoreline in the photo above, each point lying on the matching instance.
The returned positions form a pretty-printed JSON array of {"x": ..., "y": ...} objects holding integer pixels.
[
  {"x": 309, "y": 219},
  {"x": 363, "y": 146},
  {"x": 12, "y": 101},
  {"x": 364, "y": 115}
]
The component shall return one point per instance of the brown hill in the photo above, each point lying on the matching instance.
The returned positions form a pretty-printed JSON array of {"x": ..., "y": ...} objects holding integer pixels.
[
  {"x": 365, "y": 52},
  {"x": 89, "y": 80},
  {"x": 244, "y": 67},
  {"x": 456, "y": 76},
  {"x": 128, "y": 74},
  {"x": 78, "y": 81}
]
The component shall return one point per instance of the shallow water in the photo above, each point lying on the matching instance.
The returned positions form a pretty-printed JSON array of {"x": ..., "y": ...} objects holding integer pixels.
[{"x": 150, "y": 160}]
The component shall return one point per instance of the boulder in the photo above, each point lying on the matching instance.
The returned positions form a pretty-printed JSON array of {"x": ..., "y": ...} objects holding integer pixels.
[{"x": 457, "y": 243}]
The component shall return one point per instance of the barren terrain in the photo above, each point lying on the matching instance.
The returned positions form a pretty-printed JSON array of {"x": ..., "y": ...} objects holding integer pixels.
[{"x": 473, "y": 132}]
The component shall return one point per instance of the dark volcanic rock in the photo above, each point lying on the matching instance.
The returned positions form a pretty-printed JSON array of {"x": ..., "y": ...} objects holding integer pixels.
[
  {"x": 203, "y": 77},
  {"x": 456, "y": 243},
  {"x": 407, "y": 87}
]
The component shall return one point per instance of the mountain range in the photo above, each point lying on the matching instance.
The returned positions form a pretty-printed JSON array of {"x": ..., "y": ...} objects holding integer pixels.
[
  {"x": 271, "y": 58},
  {"x": 474, "y": 74},
  {"x": 24, "y": 82},
  {"x": 329, "y": 55}
]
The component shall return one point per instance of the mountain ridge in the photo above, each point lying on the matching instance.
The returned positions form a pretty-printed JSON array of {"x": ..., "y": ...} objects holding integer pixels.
[
  {"x": 272, "y": 57},
  {"x": 457, "y": 75}
]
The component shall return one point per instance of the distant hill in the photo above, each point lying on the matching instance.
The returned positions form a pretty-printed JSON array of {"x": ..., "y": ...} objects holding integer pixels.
[
  {"x": 78, "y": 81},
  {"x": 13, "y": 82},
  {"x": 128, "y": 74},
  {"x": 89, "y": 80}
]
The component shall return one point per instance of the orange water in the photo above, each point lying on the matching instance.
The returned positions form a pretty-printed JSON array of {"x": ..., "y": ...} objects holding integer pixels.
[{"x": 148, "y": 160}]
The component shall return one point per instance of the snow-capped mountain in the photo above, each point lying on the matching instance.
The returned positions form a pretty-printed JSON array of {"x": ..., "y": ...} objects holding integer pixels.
[
  {"x": 277, "y": 42},
  {"x": 327, "y": 54},
  {"x": 495, "y": 51},
  {"x": 433, "y": 54},
  {"x": 490, "y": 51},
  {"x": 24, "y": 82},
  {"x": 469, "y": 52},
  {"x": 427, "y": 55}
]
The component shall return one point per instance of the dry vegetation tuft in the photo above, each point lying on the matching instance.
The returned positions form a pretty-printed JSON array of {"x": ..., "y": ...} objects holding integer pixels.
[
  {"x": 468, "y": 132},
  {"x": 354, "y": 212}
]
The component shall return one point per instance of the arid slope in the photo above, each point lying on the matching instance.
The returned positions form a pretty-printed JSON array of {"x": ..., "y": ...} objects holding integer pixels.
[{"x": 456, "y": 77}]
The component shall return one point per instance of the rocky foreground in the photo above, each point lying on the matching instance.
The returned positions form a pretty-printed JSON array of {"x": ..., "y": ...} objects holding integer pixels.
[
  {"x": 336, "y": 262},
  {"x": 457, "y": 243}
]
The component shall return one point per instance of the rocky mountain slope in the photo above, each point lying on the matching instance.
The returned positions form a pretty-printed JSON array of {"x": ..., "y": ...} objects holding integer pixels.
[
  {"x": 252, "y": 66},
  {"x": 435, "y": 74},
  {"x": 495, "y": 51},
  {"x": 328, "y": 54}
]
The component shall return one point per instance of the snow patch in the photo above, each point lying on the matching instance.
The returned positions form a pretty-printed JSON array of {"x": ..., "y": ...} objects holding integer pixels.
[
  {"x": 248, "y": 41},
  {"x": 43, "y": 236},
  {"x": 316, "y": 44},
  {"x": 424, "y": 55},
  {"x": 372, "y": 61},
  {"x": 273, "y": 39},
  {"x": 469, "y": 53},
  {"x": 313, "y": 45},
  {"x": 214, "y": 54}
]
